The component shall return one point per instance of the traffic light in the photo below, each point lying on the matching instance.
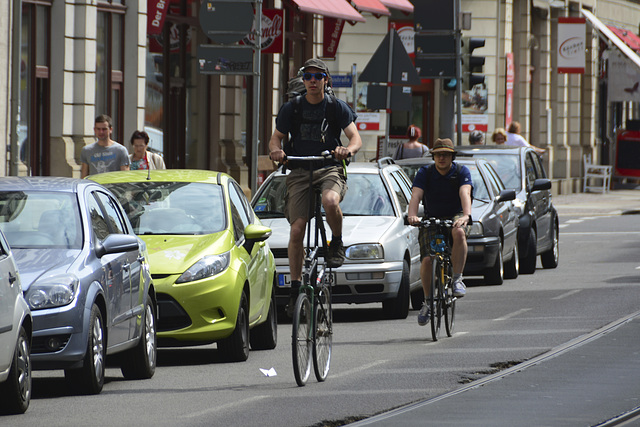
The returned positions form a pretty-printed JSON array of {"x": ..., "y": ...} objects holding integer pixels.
[{"x": 472, "y": 65}]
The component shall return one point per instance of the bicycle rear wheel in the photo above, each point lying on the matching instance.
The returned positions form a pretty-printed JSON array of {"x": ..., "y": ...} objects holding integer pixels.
[
  {"x": 435, "y": 299},
  {"x": 324, "y": 334},
  {"x": 302, "y": 339}
]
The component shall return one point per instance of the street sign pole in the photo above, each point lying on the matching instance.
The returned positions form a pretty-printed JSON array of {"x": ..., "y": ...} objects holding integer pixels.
[
  {"x": 255, "y": 140},
  {"x": 385, "y": 147},
  {"x": 456, "y": 26}
]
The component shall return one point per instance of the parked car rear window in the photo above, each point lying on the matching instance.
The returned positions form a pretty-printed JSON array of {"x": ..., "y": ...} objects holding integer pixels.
[{"x": 40, "y": 220}]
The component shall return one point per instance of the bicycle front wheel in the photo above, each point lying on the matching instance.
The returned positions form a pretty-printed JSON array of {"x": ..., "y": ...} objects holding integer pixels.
[
  {"x": 302, "y": 339},
  {"x": 449, "y": 304},
  {"x": 324, "y": 334},
  {"x": 435, "y": 299}
]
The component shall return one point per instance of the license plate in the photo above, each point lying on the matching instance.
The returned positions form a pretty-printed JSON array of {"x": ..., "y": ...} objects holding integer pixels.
[{"x": 284, "y": 280}]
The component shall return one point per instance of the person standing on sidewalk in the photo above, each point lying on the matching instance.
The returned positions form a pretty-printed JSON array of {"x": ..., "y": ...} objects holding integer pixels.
[
  {"x": 314, "y": 121},
  {"x": 104, "y": 155},
  {"x": 444, "y": 189}
]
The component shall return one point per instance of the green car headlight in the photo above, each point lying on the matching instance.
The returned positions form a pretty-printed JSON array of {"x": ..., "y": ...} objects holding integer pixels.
[
  {"x": 206, "y": 267},
  {"x": 54, "y": 291},
  {"x": 476, "y": 229},
  {"x": 365, "y": 251}
]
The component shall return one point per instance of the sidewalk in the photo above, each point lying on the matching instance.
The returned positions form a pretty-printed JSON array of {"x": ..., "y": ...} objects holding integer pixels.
[
  {"x": 615, "y": 202},
  {"x": 585, "y": 382}
]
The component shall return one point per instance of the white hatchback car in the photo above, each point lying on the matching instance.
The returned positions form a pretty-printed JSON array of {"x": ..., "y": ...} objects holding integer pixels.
[
  {"x": 382, "y": 252},
  {"x": 15, "y": 337}
]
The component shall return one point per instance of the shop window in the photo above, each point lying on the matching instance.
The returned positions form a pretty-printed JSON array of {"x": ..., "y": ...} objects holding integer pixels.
[{"x": 110, "y": 63}]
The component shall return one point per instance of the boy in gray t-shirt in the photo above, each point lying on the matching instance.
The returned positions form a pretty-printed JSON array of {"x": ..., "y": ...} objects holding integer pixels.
[{"x": 104, "y": 155}]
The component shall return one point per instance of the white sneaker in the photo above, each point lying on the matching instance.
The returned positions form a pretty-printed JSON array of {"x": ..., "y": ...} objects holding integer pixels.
[
  {"x": 459, "y": 289},
  {"x": 424, "y": 315}
]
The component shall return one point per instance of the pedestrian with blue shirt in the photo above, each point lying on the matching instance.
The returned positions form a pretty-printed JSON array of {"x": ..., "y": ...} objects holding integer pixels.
[{"x": 445, "y": 189}]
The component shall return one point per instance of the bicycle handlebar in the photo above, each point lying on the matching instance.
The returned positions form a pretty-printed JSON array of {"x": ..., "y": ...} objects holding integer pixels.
[
  {"x": 325, "y": 155},
  {"x": 427, "y": 222}
]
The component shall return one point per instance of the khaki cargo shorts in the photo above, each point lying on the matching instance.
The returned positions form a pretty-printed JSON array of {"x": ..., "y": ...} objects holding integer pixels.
[{"x": 297, "y": 197}]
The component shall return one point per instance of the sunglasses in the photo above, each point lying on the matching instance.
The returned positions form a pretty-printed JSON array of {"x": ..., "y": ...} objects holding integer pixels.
[{"x": 317, "y": 76}]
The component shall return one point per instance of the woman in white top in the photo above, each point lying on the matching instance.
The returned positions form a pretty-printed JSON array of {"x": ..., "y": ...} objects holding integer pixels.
[
  {"x": 141, "y": 158},
  {"x": 413, "y": 147}
]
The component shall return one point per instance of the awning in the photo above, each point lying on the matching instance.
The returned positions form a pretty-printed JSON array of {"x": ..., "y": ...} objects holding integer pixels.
[
  {"x": 612, "y": 37},
  {"x": 372, "y": 6},
  {"x": 403, "y": 5},
  {"x": 631, "y": 39},
  {"x": 339, "y": 9}
]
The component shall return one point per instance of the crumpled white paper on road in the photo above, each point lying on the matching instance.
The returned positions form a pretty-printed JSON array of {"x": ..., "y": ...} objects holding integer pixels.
[{"x": 269, "y": 372}]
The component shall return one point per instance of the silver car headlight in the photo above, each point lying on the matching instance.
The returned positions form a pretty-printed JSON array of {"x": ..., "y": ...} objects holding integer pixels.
[
  {"x": 476, "y": 229},
  {"x": 365, "y": 251},
  {"x": 207, "y": 266},
  {"x": 53, "y": 291}
]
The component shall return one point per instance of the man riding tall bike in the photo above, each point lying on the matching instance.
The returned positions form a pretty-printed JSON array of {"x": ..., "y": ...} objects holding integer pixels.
[
  {"x": 445, "y": 189},
  {"x": 314, "y": 121}
]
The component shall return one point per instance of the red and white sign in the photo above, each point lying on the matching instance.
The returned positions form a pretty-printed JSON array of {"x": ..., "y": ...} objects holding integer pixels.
[
  {"x": 368, "y": 121},
  {"x": 406, "y": 33},
  {"x": 272, "y": 32},
  {"x": 571, "y": 45},
  {"x": 511, "y": 78},
  {"x": 471, "y": 122},
  {"x": 156, "y": 12},
  {"x": 332, "y": 31}
]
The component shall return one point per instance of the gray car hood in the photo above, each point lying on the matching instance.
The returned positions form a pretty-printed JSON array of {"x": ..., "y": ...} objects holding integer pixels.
[{"x": 35, "y": 263}]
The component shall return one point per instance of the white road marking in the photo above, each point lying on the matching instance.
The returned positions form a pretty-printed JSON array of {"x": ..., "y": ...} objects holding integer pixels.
[
  {"x": 567, "y": 294},
  {"x": 217, "y": 408},
  {"x": 360, "y": 368},
  {"x": 575, "y": 221},
  {"x": 510, "y": 315}
]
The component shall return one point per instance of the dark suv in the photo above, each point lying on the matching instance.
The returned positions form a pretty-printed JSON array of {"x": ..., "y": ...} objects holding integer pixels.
[{"x": 521, "y": 169}]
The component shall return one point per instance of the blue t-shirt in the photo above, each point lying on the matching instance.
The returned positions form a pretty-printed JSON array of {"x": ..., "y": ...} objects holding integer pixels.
[
  {"x": 442, "y": 197},
  {"x": 307, "y": 141}
]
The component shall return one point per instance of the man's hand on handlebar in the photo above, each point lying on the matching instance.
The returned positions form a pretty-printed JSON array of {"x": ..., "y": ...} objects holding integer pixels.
[
  {"x": 277, "y": 156},
  {"x": 413, "y": 220},
  {"x": 341, "y": 153}
]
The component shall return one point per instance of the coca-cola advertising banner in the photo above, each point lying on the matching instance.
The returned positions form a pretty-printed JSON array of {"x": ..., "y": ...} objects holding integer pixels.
[
  {"x": 332, "y": 31},
  {"x": 272, "y": 32}
]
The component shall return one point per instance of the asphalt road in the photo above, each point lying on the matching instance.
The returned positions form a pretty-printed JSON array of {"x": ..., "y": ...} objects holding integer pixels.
[{"x": 378, "y": 364}]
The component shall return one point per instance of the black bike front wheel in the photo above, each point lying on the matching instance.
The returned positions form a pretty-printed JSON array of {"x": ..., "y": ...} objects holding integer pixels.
[
  {"x": 302, "y": 339},
  {"x": 449, "y": 303},
  {"x": 323, "y": 334},
  {"x": 435, "y": 299}
]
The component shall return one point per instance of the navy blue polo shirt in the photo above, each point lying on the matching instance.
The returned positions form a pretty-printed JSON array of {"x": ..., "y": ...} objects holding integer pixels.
[{"x": 442, "y": 197}]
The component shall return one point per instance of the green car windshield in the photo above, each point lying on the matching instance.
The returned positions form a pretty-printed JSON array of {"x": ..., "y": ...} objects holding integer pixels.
[{"x": 172, "y": 207}]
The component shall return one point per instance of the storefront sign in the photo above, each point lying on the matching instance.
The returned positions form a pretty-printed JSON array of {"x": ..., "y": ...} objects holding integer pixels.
[
  {"x": 624, "y": 79},
  {"x": 511, "y": 78},
  {"x": 571, "y": 45},
  {"x": 272, "y": 32},
  {"x": 368, "y": 121},
  {"x": 156, "y": 12},
  {"x": 331, "y": 36}
]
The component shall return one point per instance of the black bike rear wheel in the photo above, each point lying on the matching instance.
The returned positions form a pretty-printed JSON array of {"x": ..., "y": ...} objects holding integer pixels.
[
  {"x": 324, "y": 334},
  {"x": 302, "y": 339},
  {"x": 435, "y": 299}
]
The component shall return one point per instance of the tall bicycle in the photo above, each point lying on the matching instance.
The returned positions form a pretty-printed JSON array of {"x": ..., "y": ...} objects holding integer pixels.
[
  {"x": 312, "y": 332},
  {"x": 442, "y": 301}
]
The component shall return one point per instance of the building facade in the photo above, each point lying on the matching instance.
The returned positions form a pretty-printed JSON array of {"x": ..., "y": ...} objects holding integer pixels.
[{"x": 88, "y": 57}]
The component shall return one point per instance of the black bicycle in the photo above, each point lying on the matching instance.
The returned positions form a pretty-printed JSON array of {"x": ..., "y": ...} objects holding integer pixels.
[
  {"x": 441, "y": 299},
  {"x": 312, "y": 332}
]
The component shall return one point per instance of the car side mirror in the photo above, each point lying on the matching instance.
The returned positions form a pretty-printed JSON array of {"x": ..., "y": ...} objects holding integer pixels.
[
  {"x": 117, "y": 243},
  {"x": 541, "y": 184},
  {"x": 506, "y": 195},
  {"x": 254, "y": 233}
]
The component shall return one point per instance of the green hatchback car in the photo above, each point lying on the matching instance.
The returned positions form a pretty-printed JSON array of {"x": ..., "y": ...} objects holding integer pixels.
[{"x": 212, "y": 267}]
